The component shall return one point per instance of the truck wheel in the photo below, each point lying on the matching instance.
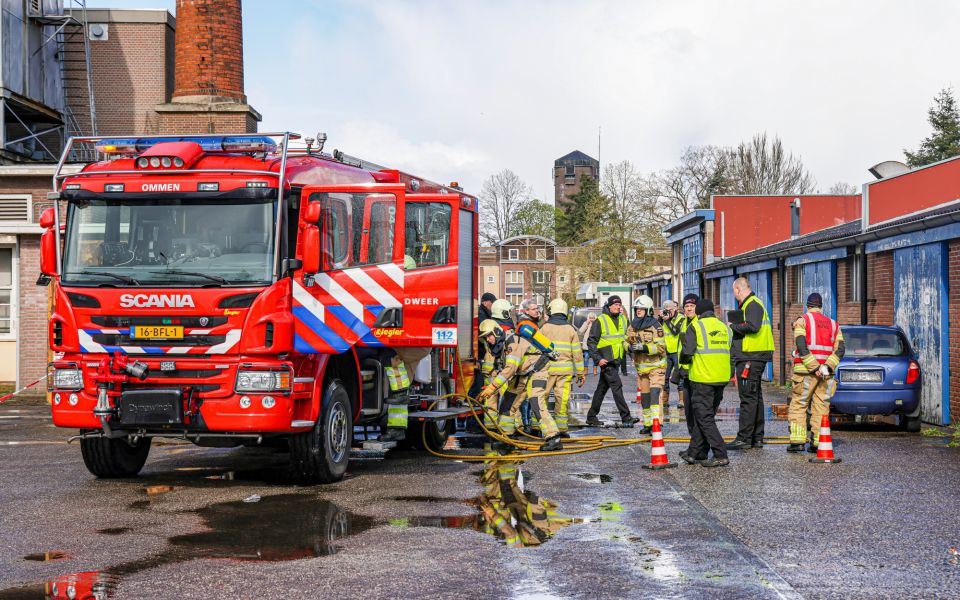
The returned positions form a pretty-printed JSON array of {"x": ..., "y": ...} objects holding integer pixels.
[
  {"x": 321, "y": 454},
  {"x": 114, "y": 457},
  {"x": 437, "y": 434}
]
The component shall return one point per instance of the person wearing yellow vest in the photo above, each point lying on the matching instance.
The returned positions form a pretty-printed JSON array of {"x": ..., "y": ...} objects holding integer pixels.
[
  {"x": 670, "y": 321},
  {"x": 751, "y": 348},
  {"x": 681, "y": 373},
  {"x": 820, "y": 347},
  {"x": 566, "y": 341},
  {"x": 649, "y": 357},
  {"x": 706, "y": 348},
  {"x": 607, "y": 344}
]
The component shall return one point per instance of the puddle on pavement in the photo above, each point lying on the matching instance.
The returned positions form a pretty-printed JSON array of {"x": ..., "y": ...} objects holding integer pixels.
[
  {"x": 296, "y": 526},
  {"x": 593, "y": 477},
  {"x": 47, "y": 556}
]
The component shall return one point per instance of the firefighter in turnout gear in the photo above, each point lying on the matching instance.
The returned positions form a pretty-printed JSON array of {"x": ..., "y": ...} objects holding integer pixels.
[
  {"x": 523, "y": 364},
  {"x": 398, "y": 371},
  {"x": 491, "y": 365},
  {"x": 820, "y": 347},
  {"x": 649, "y": 357},
  {"x": 560, "y": 373}
]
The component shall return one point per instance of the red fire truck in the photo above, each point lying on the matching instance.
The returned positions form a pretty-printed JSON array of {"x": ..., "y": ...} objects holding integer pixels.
[{"x": 230, "y": 289}]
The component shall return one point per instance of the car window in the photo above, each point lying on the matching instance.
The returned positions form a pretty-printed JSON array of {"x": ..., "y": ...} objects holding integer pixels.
[
  {"x": 863, "y": 343},
  {"x": 581, "y": 315}
]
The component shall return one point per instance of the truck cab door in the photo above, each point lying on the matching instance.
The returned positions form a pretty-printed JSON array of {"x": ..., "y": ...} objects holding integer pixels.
[
  {"x": 440, "y": 271},
  {"x": 351, "y": 283}
]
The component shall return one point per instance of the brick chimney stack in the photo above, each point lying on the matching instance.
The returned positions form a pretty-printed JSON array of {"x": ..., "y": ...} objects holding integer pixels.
[{"x": 208, "y": 94}]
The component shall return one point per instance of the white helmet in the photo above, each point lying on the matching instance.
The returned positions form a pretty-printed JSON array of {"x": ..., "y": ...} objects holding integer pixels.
[
  {"x": 645, "y": 302},
  {"x": 500, "y": 309},
  {"x": 557, "y": 307}
]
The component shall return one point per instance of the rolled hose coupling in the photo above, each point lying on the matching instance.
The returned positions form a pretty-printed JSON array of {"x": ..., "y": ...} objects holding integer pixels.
[
  {"x": 136, "y": 369},
  {"x": 103, "y": 408}
]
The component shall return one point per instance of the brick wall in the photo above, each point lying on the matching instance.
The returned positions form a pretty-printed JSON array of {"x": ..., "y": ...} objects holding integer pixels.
[
  {"x": 131, "y": 75},
  {"x": 186, "y": 122},
  {"x": 32, "y": 328},
  {"x": 209, "y": 49},
  {"x": 953, "y": 266},
  {"x": 880, "y": 288}
]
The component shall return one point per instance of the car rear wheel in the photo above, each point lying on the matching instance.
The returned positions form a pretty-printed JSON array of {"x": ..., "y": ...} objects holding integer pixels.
[{"x": 910, "y": 424}]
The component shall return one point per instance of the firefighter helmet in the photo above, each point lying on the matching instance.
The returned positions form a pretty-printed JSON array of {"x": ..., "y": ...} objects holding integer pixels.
[
  {"x": 490, "y": 327},
  {"x": 645, "y": 302},
  {"x": 500, "y": 309},
  {"x": 556, "y": 307}
]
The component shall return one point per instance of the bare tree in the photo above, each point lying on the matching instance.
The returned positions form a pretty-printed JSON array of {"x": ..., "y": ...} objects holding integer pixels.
[
  {"x": 501, "y": 197},
  {"x": 842, "y": 188},
  {"x": 762, "y": 166},
  {"x": 703, "y": 171}
]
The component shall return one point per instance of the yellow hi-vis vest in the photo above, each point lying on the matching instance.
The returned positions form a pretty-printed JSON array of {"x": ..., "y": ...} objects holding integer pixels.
[
  {"x": 762, "y": 340},
  {"x": 673, "y": 341},
  {"x": 612, "y": 335},
  {"x": 711, "y": 362}
]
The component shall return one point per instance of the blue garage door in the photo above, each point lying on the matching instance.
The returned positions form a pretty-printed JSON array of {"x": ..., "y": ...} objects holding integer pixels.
[
  {"x": 821, "y": 277},
  {"x": 919, "y": 296},
  {"x": 762, "y": 285}
]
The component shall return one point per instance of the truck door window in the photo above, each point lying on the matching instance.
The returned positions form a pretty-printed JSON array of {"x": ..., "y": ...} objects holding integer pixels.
[
  {"x": 428, "y": 233},
  {"x": 357, "y": 228}
]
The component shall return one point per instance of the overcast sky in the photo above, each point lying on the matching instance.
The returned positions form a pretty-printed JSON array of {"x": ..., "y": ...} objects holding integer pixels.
[{"x": 460, "y": 90}]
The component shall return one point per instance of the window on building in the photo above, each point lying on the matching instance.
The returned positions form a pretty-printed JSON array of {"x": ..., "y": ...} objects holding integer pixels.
[
  {"x": 570, "y": 171},
  {"x": 514, "y": 254},
  {"x": 541, "y": 254},
  {"x": 853, "y": 278},
  {"x": 6, "y": 291},
  {"x": 541, "y": 276},
  {"x": 489, "y": 278},
  {"x": 692, "y": 259},
  {"x": 514, "y": 277},
  {"x": 796, "y": 277},
  {"x": 514, "y": 299},
  {"x": 631, "y": 255},
  {"x": 562, "y": 278}
]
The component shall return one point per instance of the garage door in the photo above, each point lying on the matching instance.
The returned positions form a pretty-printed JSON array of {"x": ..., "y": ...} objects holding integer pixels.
[
  {"x": 920, "y": 293},
  {"x": 821, "y": 277}
]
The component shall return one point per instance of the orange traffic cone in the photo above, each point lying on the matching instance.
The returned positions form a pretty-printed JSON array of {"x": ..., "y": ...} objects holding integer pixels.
[
  {"x": 658, "y": 453},
  {"x": 825, "y": 444}
]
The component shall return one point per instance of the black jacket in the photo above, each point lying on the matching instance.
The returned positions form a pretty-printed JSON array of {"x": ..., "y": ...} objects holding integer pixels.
[
  {"x": 594, "y": 338},
  {"x": 483, "y": 314},
  {"x": 752, "y": 319},
  {"x": 688, "y": 343}
]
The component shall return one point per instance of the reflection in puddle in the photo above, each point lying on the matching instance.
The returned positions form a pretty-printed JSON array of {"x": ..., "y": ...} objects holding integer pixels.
[
  {"x": 294, "y": 526},
  {"x": 47, "y": 556}
]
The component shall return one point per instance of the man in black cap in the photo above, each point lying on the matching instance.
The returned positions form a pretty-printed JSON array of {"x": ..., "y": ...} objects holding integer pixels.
[
  {"x": 607, "y": 345},
  {"x": 706, "y": 348}
]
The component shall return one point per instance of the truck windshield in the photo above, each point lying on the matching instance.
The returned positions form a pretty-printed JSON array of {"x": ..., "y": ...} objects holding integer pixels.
[{"x": 191, "y": 242}]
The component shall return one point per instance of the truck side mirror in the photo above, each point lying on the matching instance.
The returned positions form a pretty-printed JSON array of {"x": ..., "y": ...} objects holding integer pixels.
[
  {"x": 311, "y": 249},
  {"x": 48, "y": 218},
  {"x": 48, "y": 252},
  {"x": 312, "y": 214}
]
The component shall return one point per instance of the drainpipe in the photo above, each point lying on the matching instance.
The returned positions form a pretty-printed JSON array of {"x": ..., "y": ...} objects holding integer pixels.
[
  {"x": 862, "y": 248},
  {"x": 782, "y": 279}
]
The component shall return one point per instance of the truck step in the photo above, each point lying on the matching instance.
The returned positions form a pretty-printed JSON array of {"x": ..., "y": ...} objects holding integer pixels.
[
  {"x": 377, "y": 445},
  {"x": 441, "y": 414}
]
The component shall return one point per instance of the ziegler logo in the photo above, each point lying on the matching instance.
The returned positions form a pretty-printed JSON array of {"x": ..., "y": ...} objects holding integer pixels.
[
  {"x": 387, "y": 333},
  {"x": 160, "y": 187},
  {"x": 156, "y": 301}
]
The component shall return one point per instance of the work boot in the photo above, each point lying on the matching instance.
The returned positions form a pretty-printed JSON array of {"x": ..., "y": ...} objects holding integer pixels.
[
  {"x": 685, "y": 456},
  {"x": 594, "y": 422},
  {"x": 630, "y": 422},
  {"x": 394, "y": 434},
  {"x": 757, "y": 444},
  {"x": 795, "y": 448},
  {"x": 738, "y": 445},
  {"x": 503, "y": 447},
  {"x": 647, "y": 429},
  {"x": 552, "y": 444},
  {"x": 715, "y": 462},
  {"x": 565, "y": 435},
  {"x": 812, "y": 449}
]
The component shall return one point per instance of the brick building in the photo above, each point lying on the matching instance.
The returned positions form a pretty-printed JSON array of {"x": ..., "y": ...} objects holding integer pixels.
[
  {"x": 567, "y": 171},
  {"x": 520, "y": 267}
]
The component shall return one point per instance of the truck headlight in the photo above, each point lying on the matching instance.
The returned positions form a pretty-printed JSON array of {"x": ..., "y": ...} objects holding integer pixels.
[
  {"x": 67, "y": 379},
  {"x": 263, "y": 381}
]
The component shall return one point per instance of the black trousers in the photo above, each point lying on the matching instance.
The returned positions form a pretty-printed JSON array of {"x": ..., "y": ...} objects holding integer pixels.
[
  {"x": 671, "y": 365},
  {"x": 751, "y": 401},
  {"x": 706, "y": 398},
  {"x": 609, "y": 380},
  {"x": 687, "y": 407}
]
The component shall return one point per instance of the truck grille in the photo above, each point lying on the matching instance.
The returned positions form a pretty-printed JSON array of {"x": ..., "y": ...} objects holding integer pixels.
[
  {"x": 128, "y": 321},
  {"x": 122, "y": 339}
]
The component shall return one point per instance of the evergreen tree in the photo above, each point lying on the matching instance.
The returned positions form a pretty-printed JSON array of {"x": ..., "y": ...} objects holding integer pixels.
[
  {"x": 944, "y": 142},
  {"x": 571, "y": 228}
]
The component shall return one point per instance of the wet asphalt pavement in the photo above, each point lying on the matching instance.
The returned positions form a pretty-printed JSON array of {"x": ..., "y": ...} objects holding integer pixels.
[{"x": 771, "y": 525}]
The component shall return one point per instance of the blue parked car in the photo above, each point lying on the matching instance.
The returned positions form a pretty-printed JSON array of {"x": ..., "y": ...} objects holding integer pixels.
[{"x": 878, "y": 375}]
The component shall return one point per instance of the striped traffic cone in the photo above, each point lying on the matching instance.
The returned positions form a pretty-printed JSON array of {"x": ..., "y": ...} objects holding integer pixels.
[
  {"x": 825, "y": 444},
  {"x": 658, "y": 452}
]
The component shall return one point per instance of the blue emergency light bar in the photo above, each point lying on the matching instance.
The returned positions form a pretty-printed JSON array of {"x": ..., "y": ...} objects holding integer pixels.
[{"x": 238, "y": 144}]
